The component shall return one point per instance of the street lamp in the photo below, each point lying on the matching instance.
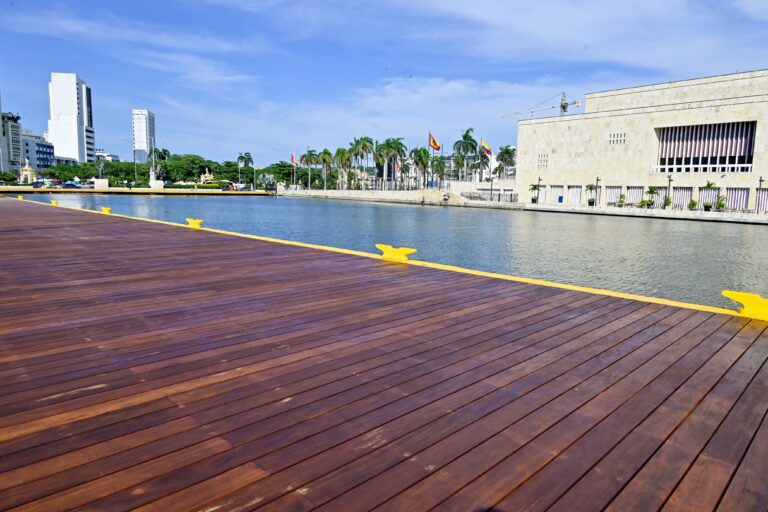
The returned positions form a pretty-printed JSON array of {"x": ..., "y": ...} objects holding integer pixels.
[
  {"x": 669, "y": 188},
  {"x": 597, "y": 190},
  {"x": 538, "y": 190}
]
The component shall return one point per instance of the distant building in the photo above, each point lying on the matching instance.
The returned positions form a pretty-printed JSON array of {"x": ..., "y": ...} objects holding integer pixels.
[
  {"x": 106, "y": 156},
  {"x": 143, "y": 128},
  {"x": 652, "y": 142},
  {"x": 70, "y": 126},
  {"x": 39, "y": 151},
  {"x": 62, "y": 160},
  {"x": 11, "y": 142}
]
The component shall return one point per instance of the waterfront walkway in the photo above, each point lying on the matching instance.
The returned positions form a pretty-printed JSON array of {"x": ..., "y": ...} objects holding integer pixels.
[{"x": 154, "y": 366}]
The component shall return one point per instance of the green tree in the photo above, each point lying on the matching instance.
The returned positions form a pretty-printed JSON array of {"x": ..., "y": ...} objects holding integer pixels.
[
  {"x": 309, "y": 159},
  {"x": 343, "y": 161},
  {"x": 466, "y": 146},
  {"x": 506, "y": 157},
  {"x": 325, "y": 158},
  {"x": 438, "y": 167},
  {"x": 420, "y": 159},
  {"x": 243, "y": 160}
]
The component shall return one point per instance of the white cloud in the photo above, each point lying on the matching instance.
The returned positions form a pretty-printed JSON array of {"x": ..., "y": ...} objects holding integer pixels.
[
  {"x": 408, "y": 108},
  {"x": 114, "y": 29},
  {"x": 191, "y": 70}
]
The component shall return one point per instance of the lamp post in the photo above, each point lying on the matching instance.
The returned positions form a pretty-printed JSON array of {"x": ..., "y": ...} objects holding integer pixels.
[
  {"x": 759, "y": 204},
  {"x": 669, "y": 188},
  {"x": 538, "y": 190},
  {"x": 597, "y": 190}
]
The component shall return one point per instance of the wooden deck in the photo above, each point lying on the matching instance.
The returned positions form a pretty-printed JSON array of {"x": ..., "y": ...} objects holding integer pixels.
[{"x": 154, "y": 367}]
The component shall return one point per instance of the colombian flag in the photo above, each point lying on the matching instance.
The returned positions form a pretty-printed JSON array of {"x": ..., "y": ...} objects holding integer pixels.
[
  {"x": 293, "y": 161},
  {"x": 485, "y": 148},
  {"x": 433, "y": 143}
]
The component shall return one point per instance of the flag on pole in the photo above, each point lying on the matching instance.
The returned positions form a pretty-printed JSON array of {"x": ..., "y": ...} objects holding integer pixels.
[
  {"x": 433, "y": 143},
  {"x": 485, "y": 148},
  {"x": 293, "y": 161}
]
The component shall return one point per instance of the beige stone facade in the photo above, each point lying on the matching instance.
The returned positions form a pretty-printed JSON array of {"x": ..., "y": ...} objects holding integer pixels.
[{"x": 623, "y": 136}]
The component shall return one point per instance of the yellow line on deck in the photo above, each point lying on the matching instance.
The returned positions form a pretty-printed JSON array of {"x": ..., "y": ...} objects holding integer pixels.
[{"x": 440, "y": 266}]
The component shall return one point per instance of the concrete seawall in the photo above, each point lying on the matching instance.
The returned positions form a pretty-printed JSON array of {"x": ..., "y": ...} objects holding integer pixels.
[{"x": 422, "y": 197}]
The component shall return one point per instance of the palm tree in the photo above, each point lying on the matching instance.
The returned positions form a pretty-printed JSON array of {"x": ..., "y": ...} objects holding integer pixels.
[
  {"x": 466, "y": 146},
  {"x": 357, "y": 152},
  {"x": 420, "y": 158},
  {"x": 367, "y": 146},
  {"x": 343, "y": 159},
  {"x": 438, "y": 167},
  {"x": 506, "y": 157},
  {"x": 243, "y": 160},
  {"x": 325, "y": 158},
  {"x": 396, "y": 151},
  {"x": 482, "y": 163},
  {"x": 309, "y": 159},
  {"x": 458, "y": 163}
]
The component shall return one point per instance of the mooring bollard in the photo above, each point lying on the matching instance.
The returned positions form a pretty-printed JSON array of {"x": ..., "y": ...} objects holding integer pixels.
[
  {"x": 755, "y": 306},
  {"x": 398, "y": 254},
  {"x": 194, "y": 223},
  {"x": 54, "y": 202},
  {"x": 106, "y": 210},
  {"x": 20, "y": 198}
]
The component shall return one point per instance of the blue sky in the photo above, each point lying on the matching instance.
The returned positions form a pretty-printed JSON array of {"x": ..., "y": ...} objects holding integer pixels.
[{"x": 276, "y": 76}]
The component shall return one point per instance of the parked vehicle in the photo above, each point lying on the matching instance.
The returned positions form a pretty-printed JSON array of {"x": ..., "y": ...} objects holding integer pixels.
[{"x": 38, "y": 184}]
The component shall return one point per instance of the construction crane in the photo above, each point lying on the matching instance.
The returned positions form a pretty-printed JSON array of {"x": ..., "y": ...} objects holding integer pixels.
[{"x": 563, "y": 106}]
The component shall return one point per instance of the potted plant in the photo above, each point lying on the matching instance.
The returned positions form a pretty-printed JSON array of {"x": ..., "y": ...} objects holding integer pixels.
[
  {"x": 622, "y": 200},
  {"x": 591, "y": 188},
  {"x": 707, "y": 207},
  {"x": 652, "y": 193},
  {"x": 667, "y": 202},
  {"x": 643, "y": 203},
  {"x": 720, "y": 204},
  {"x": 692, "y": 204},
  {"x": 535, "y": 189}
]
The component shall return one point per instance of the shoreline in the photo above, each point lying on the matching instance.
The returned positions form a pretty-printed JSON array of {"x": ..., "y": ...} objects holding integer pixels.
[{"x": 435, "y": 198}]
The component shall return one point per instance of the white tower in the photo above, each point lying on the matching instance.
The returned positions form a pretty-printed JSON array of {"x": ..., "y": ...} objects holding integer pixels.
[
  {"x": 143, "y": 125},
  {"x": 70, "y": 125}
]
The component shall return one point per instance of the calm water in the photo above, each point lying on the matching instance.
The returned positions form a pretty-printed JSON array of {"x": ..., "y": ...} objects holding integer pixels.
[{"x": 682, "y": 260}]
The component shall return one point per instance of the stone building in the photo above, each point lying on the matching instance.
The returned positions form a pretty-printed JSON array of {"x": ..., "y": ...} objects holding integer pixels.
[{"x": 673, "y": 137}]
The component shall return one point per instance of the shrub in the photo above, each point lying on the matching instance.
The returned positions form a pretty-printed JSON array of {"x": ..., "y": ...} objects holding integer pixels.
[{"x": 692, "y": 204}]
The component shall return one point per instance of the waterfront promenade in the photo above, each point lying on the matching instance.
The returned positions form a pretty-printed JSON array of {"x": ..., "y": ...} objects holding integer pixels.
[{"x": 150, "y": 365}]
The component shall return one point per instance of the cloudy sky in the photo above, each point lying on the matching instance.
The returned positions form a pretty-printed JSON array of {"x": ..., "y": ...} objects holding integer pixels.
[{"x": 276, "y": 76}]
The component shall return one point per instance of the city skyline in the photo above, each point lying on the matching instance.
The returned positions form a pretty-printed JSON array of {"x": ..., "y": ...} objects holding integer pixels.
[{"x": 226, "y": 76}]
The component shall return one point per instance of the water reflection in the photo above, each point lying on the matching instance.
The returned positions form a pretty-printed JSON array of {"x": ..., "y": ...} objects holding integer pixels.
[{"x": 682, "y": 260}]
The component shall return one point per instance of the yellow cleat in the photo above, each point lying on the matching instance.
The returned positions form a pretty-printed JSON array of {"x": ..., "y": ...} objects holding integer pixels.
[
  {"x": 755, "y": 306},
  {"x": 194, "y": 223},
  {"x": 105, "y": 210},
  {"x": 398, "y": 254},
  {"x": 54, "y": 202}
]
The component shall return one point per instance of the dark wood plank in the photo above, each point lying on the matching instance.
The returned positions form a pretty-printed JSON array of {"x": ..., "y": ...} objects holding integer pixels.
[{"x": 229, "y": 373}]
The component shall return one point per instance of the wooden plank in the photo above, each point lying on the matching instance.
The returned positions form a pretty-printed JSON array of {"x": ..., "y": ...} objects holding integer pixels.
[{"x": 301, "y": 379}]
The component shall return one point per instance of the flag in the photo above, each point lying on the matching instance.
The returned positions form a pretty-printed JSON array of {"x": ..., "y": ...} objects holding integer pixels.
[
  {"x": 293, "y": 161},
  {"x": 433, "y": 143},
  {"x": 485, "y": 148}
]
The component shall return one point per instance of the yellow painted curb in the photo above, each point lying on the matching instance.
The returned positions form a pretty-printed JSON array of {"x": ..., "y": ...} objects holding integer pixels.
[{"x": 449, "y": 268}]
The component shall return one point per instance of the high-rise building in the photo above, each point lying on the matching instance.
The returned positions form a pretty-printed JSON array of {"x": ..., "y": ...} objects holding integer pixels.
[
  {"x": 10, "y": 150},
  {"x": 143, "y": 124},
  {"x": 70, "y": 126},
  {"x": 37, "y": 150}
]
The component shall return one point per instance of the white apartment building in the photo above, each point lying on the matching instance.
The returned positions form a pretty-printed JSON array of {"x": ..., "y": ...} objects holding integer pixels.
[
  {"x": 106, "y": 156},
  {"x": 143, "y": 127},
  {"x": 70, "y": 126}
]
